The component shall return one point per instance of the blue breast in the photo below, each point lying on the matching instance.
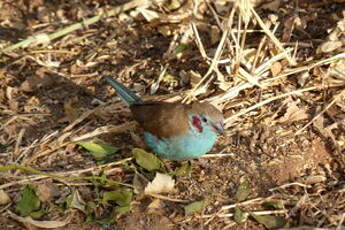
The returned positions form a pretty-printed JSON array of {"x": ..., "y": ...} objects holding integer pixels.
[{"x": 188, "y": 146}]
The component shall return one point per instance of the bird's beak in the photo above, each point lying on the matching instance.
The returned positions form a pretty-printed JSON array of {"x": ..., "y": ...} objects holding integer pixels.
[{"x": 219, "y": 127}]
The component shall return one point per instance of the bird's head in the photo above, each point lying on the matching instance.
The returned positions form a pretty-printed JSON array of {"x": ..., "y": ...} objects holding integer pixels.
[{"x": 204, "y": 116}]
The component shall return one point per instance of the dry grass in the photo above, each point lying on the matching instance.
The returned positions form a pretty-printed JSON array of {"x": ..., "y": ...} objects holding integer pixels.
[{"x": 276, "y": 72}]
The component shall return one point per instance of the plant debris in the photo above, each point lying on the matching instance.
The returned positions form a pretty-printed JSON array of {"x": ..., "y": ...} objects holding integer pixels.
[{"x": 70, "y": 153}]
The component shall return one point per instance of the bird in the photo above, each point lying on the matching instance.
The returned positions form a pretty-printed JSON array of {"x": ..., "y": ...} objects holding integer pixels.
[{"x": 174, "y": 131}]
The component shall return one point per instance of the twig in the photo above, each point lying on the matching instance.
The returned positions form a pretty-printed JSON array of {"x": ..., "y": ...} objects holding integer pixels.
[
  {"x": 259, "y": 213},
  {"x": 105, "y": 129},
  {"x": 44, "y": 153},
  {"x": 167, "y": 198},
  {"x": 288, "y": 185},
  {"x": 322, "y": 112},
  {"x": 80, "y": 119},
  {"x": 226, "y": 207},
  {"x": 219, "y": 155},
  {"x": 271, "y": 36},
  {"x": 42, "y": 38},
  {"x": 18, "y": 143},
  {"x": 269, "y": 100},
  {"x": 57, "y": 175},
  {"x": 340, "y": 224}
]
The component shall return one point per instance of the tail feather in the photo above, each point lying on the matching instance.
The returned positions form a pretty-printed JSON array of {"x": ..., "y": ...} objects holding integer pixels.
[{"x": 124, "y": 93}]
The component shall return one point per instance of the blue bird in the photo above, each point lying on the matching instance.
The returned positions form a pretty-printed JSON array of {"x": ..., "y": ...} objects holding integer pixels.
[{"x": 173, "y": 130}]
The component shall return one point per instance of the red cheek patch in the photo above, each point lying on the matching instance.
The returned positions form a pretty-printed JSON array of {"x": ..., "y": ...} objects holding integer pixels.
[{"x": 196, "y": 122}]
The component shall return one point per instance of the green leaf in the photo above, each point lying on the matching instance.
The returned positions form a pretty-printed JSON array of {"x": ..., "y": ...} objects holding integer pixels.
[
  {"x": 243, "y": 191},
  {"x": 184, "y": 170},
  {"x": 146, "y": 160},
  {"x": 180, "y": 48},
  {"x": 120, "y": 210},
  {"x": 91, "y": 205},
  {"x": 37, "y": 214},
  {"x": 195, "y": 207},
  {"x": 270, "y": 222},
  {"x": 122, "y": 197},
  {"x": 139, "y": 182},
  {"x": 98, "y": 150},
  {"x": 100, "y": 180},
  {"x": 76, "y": 201},
  {"x": 274, "y": 204},
  {"x": 239, "y": 216},
  {"x": 90, "y": 219},
  {"x": 29, "y": 201}
]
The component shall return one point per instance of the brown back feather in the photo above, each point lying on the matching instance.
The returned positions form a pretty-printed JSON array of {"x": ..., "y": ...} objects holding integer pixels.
[
  {"x": 168, "y": 119},
  {"x": 207, "y": 109}
]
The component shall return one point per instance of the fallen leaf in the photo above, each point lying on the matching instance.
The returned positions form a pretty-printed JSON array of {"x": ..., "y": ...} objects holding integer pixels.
[
  {"x": 172, "y": 5},
  {"x": 184, "y": 170},
  {"x": 28, "y": 202},
  {"x": 329, "y": 46},
  {"x": 274, "y": 204},
  {"x": 120, "y": 210},
  {"x": 122, "y": 197},
  {"x": 165, "y": 30},
  {"x": 239, "y": 216},
  {"x": 76, "y": 201},
  {"x": 155, "y": 207},
  {"x": 214, "y": 35},
  {"x": 270, "y": 222},
  {"x": 195, "y": 207},
  {"x": 315, "y": 179},
  {"x": 35, "y": 82},
  {"x": 293, "y": 113},
  {"x": 170, "y": 80},
  {"x": 161, "y": 184},
  {"x": 14, "y": 105},
  {"x": 149, "y": 15},
  {"x": 156, "y": 203},
  {"x": 46, "y": 191},
  {"x": 276, "y": 68},
  {"x": 290, "y": 24},
  {"x": 146, "y": 160},
  {"x": 98, "y": 150},
  {"x": 37, "y": 214},
  {"x": 139, "y": 183},
  {"x": 4, "y": 197},
  {"x": 180, "y": 48},
  {"x": 249, "y": 77},
  {"x": 195, "y": 78},
  {"x": 271, "y": 5},
  {"x": 337, "y": 70},
  {"x": 319, "y": 123},
  {"x": 71, "y": 113},
  {"x": 326, "y": 131},
  {"x": 303, "y": 77},
  {"x": 243, "y": 191},
  {"x": 41, "y": 224}
]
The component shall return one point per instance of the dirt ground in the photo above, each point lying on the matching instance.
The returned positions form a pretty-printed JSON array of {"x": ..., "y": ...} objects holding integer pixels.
[{"x": 285, "y": 137}]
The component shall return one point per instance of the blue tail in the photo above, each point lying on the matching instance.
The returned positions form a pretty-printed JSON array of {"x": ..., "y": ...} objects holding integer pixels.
[{"x": 124, "y": 93}]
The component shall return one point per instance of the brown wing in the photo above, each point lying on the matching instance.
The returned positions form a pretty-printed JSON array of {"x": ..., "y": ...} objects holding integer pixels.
[
  {"x": 161, "y": 118},
  {"x": 166, "y": 119}
]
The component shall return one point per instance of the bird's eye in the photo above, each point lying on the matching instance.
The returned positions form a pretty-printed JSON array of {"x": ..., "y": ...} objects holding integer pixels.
[{"x": 204, "y": 119}]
